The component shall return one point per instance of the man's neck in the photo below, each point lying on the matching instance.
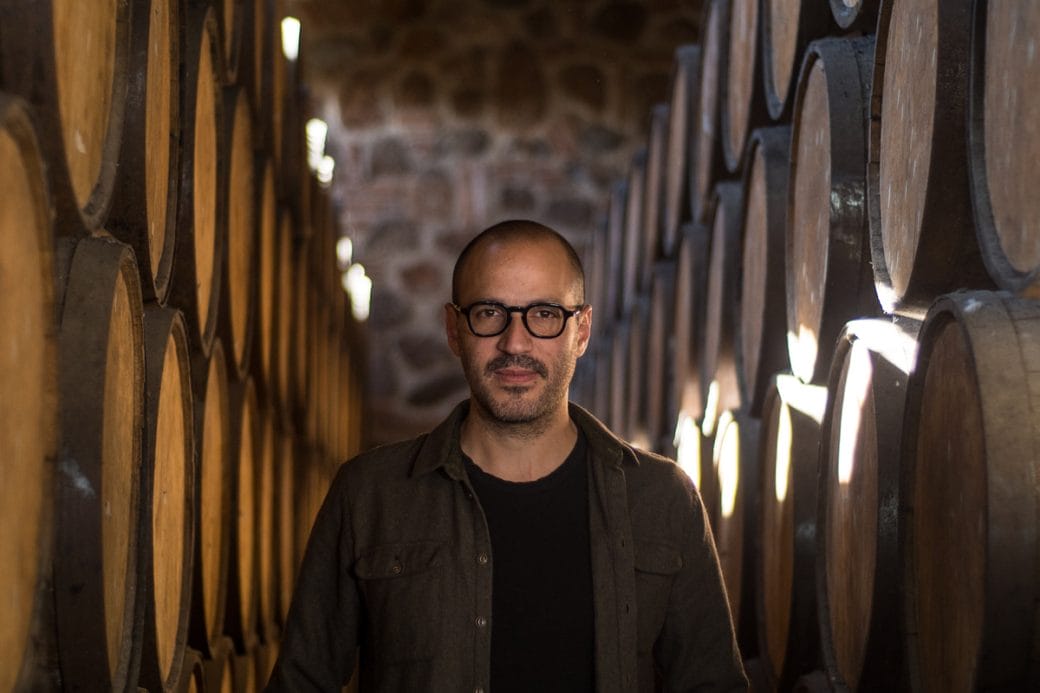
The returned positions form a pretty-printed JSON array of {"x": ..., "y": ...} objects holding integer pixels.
[{"x": 518, "y": 452}]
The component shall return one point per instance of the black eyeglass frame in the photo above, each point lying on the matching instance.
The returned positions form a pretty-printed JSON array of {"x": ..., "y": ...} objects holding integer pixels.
[{"x": 523, "y": 310}]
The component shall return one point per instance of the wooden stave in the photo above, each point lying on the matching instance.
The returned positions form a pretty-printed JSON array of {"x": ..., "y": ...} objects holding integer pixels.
[
  {"x": 676, "y": 205},
  {"x": 219, "y": 666},
  {"x": 301, "y": 331},
  {"x": 239, "y": 216},
  {"x": 659, "y": 357},
  {"x": 634, "y": 424},
  {"x": 131, "y": 217},
  {"x": 286, "y": 491},
  {"x": 282, "y": 323},
  {"x": 267, "y": 583},
  {"x": 16, "y": 122},
  {"x": 99, "y": 267},
  {"x": 735, "y": 534},
  {"x": 653, "y": 191},
  {"x": 265, "y": 334},
  {"x": 618, "y": 368},
  {"x": 210, "y": 389},
  {"x": 812, "y": 24},
  {"x": 891, "y": 356},
  {"x": 231, "y": 26},
  {"x": 741, "y": 113},
  {"x": 164, "y": 330},
  {"x": 631, "y": 249},
  {"x": 198, "y": 36},
  {"x": 705, "y": 149},
  {"x": 860, "y": 17},
  {"x": 770, "y": 356},
  {"x": 947, "y": 238},
  {"x": 30, "y": 70},
  {"x": 193, "y": 673},
  {"x": 691, "y": 287},
  {"x": 615, "y": 242},
  {"x": 718, "y": 373},
  {"x": 844, "y": 300},
  {"x": 1000, "y": 332},
  {"x": 999, "y": 265},
  {"x": 801, "y": 635}
]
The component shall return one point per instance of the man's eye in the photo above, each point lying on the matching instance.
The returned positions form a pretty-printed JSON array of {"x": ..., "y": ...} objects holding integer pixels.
[{"x": 488, "y": 312}]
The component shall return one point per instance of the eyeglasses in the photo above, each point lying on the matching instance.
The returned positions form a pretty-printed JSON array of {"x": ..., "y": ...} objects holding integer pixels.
[{"x": 542, "y": 320}]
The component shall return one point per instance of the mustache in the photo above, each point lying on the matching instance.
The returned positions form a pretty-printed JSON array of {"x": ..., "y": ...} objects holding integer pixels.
[{"x": 517, "y": 361}]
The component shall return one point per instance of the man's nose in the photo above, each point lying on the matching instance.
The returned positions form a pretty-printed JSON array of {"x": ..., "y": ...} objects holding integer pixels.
[{"x": 516, "y": 339}]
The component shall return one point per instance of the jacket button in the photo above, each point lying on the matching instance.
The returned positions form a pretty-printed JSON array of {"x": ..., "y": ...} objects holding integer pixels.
[
  {"x": 396, "y": 569},
  {"x": 481, "y": 622},
  {"x": 482, "y": 558}
]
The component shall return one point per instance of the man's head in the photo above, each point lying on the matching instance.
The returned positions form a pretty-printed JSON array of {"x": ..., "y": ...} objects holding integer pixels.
[{"x": 517, "y": 377}]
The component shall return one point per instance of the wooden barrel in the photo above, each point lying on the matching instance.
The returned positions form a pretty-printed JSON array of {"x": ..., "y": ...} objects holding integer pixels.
[
  {"x": 858, "y": 15},
  {"x": 243, "y": 671},
  {"x": 969, "y": 494},
  {"x": 735, "y": 458},
  {"x": 301, "y": 328},
  {"x": 923, "y": 240},
  {"x": 814, "y": 682},
  {"x": 829, "y": 280},
  {"x": 231, "y": 24},
  {"x": 659, "y": 359},
  {"x": 632, "y": 242},
  {"x": 635, "y": 374},
  {"x": 285, "y": 468},
  {"x": 220, "y": 667},
  {"x": 691, "y": 289},
  {"x": 707, "y": 161},
  {"x": 28, "y": 364},
  {"x": 718, "y": 369},
  {"x": 101, "y": 381},
  {"x": 618, "y": 410},
  {"x": 193, "y": 673},
  {"x": 787, "y": 28},
  {"x": 166, "y": 546},
  {"x": 242, "y": 594},
  {"x": 761, "y": 329},
  {"x": 786, "y": 599},
  {"x": 653, "y": 190},
  {"x": 267, "y": 282},
  {"x": 266, "y": 657},
  {"x": 857, "y": 556},
  {"x": 239, "y": 291},
  {"x": 144, "y": 203},
  {"x": 595, "y": 263},
  {"x": 675, "y": 210},
  {"x": 611, "y": 307},
  {"x": 1003, "y": 145},
  {"x": 199, "y": 246},
  {"x": 213, "y": 495},
  {"x": 743, "y": 106},
  {"x": 46, "y": 48},
  {"x": 267, "y": 523},
  {"x": 283, "y": 314}
]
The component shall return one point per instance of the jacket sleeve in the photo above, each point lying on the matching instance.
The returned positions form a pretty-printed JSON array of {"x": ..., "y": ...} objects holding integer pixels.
[
  {"x": 697, "y": 649},
  {"x": 319, "y": 642}
]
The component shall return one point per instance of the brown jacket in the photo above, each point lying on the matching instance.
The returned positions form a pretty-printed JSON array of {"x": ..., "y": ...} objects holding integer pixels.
[{"x": 399, "y": 565}]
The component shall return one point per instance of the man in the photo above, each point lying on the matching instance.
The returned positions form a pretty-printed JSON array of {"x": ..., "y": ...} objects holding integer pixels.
[{"x": 520, "y": 546}]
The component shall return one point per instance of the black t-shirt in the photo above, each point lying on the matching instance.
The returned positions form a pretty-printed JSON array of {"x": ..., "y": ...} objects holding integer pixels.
[{"x": 542, "y": 614}]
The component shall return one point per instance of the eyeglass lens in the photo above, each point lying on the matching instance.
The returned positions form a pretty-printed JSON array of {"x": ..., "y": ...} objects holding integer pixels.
[{"x": 542, "y": 320}]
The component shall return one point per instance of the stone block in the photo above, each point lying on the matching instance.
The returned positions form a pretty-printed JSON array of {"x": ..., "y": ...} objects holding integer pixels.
[
  {"x": 390, "y": 157},
  {"x": 521, "y": 98},
  {"x": 620, "y": 21},
  {"x": 585, "y": 84},
  {"x": 424, "y": 350}
]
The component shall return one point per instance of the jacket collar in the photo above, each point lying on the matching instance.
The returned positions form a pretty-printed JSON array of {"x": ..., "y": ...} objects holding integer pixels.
[{"x": 440, "y": 447}]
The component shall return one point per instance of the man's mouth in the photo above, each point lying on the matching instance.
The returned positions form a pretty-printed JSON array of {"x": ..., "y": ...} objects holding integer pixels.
[{"x": 516, "y": 370}]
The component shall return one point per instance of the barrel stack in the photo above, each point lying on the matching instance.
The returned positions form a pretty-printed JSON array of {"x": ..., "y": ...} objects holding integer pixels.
[
  {"x": 167, "y": 256},
  {"x": 850, "y": 371}
]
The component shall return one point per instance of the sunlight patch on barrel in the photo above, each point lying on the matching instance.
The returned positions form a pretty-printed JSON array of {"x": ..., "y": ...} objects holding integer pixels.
[
  {"x": 727, "y": 455},
  {"x": 857, "y": 388},
  {"x": 688, "y": 447}
]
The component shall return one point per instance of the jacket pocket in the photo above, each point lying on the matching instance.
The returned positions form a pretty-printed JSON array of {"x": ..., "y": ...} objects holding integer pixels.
[
  {"x": 402, "y": 588},
  {"x": 656, "y": 565}
]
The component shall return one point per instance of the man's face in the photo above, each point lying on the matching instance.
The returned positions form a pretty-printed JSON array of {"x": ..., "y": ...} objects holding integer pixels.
[{"x": 516, "y": 377}]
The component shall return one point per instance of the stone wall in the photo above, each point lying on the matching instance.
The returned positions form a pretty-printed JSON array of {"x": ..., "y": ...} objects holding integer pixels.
[{"x": 449, "y": 115}]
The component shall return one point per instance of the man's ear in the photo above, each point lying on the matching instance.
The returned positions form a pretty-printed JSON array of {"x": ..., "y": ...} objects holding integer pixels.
[
  {"x": 584, "y": 329},
  {"x": 451, "y": 328}
]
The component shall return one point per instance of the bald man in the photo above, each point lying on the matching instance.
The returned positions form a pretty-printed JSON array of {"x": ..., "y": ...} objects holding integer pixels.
[{"x": 519, "y": 546}]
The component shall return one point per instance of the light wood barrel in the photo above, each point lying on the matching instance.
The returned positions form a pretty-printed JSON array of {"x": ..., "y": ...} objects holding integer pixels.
[
  {"x": 200, "y": 245},
  {"x": 267, "y": 284},
  {"x": 46, "y": 49},
  {"x": 691, "y": 290},
  {"x": 971, "y": 548},
  {"x": 220, "y": 667},
  {"x": 193, "y": 673},
  {"x": 706, "y": 157},
  {"x": 923, "y": 240},
  {"x": 718, "y": 369},
  {"x": 829, "y": 278},
  {"x": 761, "y": 330},
  {"x": 285, "y": 468},
  {"x": 28, "y": 364},
  {"x": 786, "y": 599},
  {"x": 659, "y": 358},
  {"x": 101, "y": 377},
  {"x": 743, "y": 102},
  {"x": 242, "y": 603},
  {"x": 231, "y": 23},
  {"x": 675, "y": 210},
  {"x": 787, "y": 28},
  {"x": 1004, "y": 146},
  {"x": 615, "y": 254},
  {"x": 267, "y": 519},
  {"x": 144, "y": 203},
  {"x": 653, "y": 190},
  {"x": 857, "y": 559},
  {"x": 166, "y": 547},
  {"x": 283, "y": 314},
  {"x": 735, "y": 458},
  {"x": 239, "y": 291},
  {"x": 301, "y": 328},
  {"x": 213, "y": 494},
  {"x": 856, "y": 14},
  {"x": 632, "y": 243}
]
